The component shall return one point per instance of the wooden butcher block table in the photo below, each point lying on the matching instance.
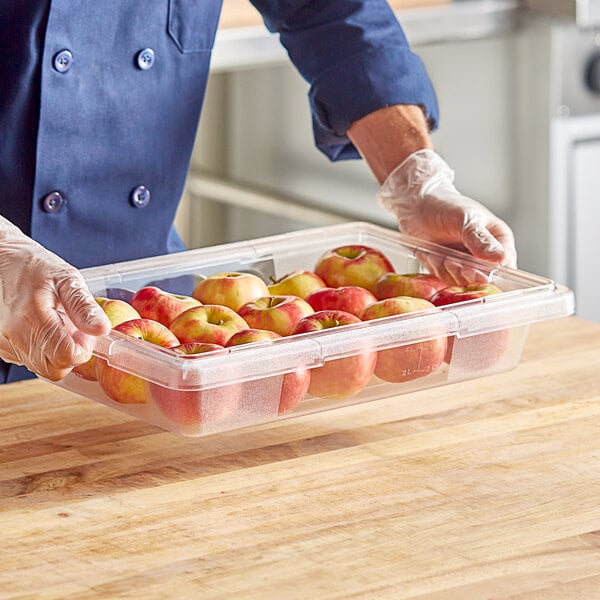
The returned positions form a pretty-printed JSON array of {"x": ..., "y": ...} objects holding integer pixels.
[{"x": 483, "y": 489}]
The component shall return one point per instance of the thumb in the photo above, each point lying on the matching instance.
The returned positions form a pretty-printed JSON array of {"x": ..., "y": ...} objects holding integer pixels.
[{"x": 81, "y": 307}]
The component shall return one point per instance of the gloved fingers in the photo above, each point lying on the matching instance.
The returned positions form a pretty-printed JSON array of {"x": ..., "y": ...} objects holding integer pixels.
[
  {"x": 48, "y": 316},
  {"x": 39, "y": 365},
  {"x": 80, "y": 305},
  {"x": 493, "y": 242},
  {"x": 45, "y": 340},
  {"x": 435, "y": 266},
  {"x": 450, "y": 270},
  {"x": 461, "y": 273}
]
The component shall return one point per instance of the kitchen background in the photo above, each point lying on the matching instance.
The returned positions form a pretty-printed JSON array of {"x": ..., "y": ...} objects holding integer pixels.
[{"x": 518, "y": 83}]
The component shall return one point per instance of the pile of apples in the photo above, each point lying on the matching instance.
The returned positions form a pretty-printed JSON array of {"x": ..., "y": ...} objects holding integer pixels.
[{"x": 348, "y": 285}]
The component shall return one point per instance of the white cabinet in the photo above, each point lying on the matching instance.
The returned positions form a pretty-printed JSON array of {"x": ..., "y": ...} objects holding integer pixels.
[{"x": 584, "y": 251}]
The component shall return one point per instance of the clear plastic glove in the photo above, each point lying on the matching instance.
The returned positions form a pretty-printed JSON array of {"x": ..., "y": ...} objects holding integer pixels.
[
  {"x": 48, "y": 316},
  {"x": 420, "y": 193}
]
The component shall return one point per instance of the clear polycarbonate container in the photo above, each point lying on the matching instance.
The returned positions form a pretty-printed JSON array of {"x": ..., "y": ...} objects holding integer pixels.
[{"x": 242, "y": 386}]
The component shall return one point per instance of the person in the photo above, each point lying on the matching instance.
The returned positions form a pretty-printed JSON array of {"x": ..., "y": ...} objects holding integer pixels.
[{"x": 98, "y": 111}]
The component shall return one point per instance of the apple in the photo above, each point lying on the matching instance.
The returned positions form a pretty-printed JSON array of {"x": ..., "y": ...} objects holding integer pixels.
[
  {"x": 349, "y": 298},
  {"x": 196, "y": 407},
  {"x": 353, "y": 265},
  {"x": 124, "y": 387},
  {"x": 208, "y": 323},
  {"x": 275, "y": 313},
  {"x": 340, "y": 377},
  {"x": 410, "y": 361},
  {"x": 461, "y": 293},
  {"x": 418, "y": 285},
  {"x": 157, "y": 304},
  {"x": 117, "y": 311},
  {"x": 232, "y": 289},
  {"x": 294, "y": 385},
  {"x": 296, "y": 283},
  {"x": 477, "y": 352}
]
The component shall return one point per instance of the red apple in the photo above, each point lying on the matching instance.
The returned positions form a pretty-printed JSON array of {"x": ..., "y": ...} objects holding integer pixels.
[
  {"x": 410, "y": 361},
  {"x": 296, "y": 283},
  {"x": 232, "y": 289},
  {"x": 156, "y": 304},
  {"x": 353, "y": 265},
  {"x": 275, "y": 313},
  {"x": 475, "y": 353},
  {"x": 294, "y": 385},
  {"x": 196, "y": 407},
  {"x": 341, "y": 377},
  {"x": 417, "y": 285},
  {"x": 208, "y": 323},
  {"x": 124, "y": 387},
  {"x": 349, "y": 298},
  {"x": 461, "y": 293},
  {"x": 117, "y": 311}
]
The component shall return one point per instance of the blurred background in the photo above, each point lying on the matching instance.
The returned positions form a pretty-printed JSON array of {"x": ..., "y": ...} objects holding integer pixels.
[{"x": 518, "y": 84}]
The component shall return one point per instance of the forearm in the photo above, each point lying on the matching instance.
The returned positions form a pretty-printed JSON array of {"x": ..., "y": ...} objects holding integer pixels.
[
  {"x": 387, "y": 136},
  {"x": 418, "y": 189},
  {"x": 357, "y": 60}
]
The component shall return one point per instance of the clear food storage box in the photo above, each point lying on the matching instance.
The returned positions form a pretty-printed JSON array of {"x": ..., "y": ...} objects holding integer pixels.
[{"x": 245, "y": 385}]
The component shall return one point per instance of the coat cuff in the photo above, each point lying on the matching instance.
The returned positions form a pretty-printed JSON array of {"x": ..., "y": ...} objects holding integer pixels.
[{"x": 359, "y": 86}]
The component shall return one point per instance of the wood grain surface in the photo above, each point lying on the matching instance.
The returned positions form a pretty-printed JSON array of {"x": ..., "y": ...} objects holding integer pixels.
[
  {"x": 477, "y": 490},
  {"x": 241, "y": 13}
]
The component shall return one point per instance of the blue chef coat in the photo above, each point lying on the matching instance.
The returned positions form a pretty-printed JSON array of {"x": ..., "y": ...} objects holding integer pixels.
[{"x": 99, "y": 103}]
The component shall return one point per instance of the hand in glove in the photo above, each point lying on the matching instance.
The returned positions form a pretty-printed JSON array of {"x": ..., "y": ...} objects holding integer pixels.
[
  {"x": 421, "y": 195},
  {"x": 48, "y": 316}
]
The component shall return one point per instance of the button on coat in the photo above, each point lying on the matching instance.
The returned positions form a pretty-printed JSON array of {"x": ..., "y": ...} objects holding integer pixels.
[
  {"x": 145, "y": 59},
  {"x": 140, "y": 197},
  {"x": 63, "y": 61},
  {"x": 53, "y": 202}
]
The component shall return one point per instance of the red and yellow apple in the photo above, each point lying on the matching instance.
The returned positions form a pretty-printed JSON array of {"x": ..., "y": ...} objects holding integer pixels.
[
  {"x": 117, "y": 311},
  {"x": 157, "y": 304},
  {"x": 124, "y": 387},
  {"x": 410, "y": 361},
  {"x": 417, "y": 285},
  {"x": 232, "y": 289},
  {"x": 353, "y": 264},
  {"x": 477, "y": 352},
  {"x": 275, "y": 313},
  {"x": 294, "y": 385},
  {"x": 208, "y": 323},
  {"x": 349, "y": 298},
  {"x": 296, "y": 283},
  {"x": 196, "y": 407},
  {"x": 462, "y": 293},
  {"x": 340, "y": 377}
]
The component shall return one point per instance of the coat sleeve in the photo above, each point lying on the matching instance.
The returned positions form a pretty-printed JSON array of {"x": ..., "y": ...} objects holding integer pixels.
[{"x": 355, "y": 57}]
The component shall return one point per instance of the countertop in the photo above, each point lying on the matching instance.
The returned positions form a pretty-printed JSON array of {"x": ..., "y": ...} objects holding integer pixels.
[{"x": 482, "y": 489}]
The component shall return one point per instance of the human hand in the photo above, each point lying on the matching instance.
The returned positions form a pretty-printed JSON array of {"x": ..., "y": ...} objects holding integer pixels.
[
  {"x": 48, "y": 316},
  {"x": 420, "y": 193}
]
